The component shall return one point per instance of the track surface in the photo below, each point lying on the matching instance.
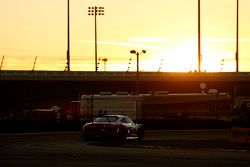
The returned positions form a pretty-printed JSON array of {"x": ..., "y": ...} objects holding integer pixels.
[{"x": 160, "y": 148}]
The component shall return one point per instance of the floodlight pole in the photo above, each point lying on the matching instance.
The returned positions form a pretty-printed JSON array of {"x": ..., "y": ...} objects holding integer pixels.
[
  {"x": 68, "y": 50},
  {"x": 237, "y": 37},
  {"x": 96, "y": 67},
  {"x": 137, "y": 67},
  {"x": 94, "y": 10},
  {"x": 199, "y": 36}
]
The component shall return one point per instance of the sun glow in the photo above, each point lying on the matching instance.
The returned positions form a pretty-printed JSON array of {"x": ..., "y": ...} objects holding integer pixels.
[
  {"x": 176, "y": 58},
  {"x": 218, "y": 62},
  {"x": 182, "y": 56}
]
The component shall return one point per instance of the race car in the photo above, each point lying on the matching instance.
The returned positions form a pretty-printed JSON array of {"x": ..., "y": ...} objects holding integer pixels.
[{"x": 117, "y": 127}]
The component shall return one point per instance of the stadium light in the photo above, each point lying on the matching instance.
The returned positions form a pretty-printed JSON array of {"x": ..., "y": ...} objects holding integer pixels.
[
  {"x": 94, "y": 11},
  {"x": 137, "y": 65}
]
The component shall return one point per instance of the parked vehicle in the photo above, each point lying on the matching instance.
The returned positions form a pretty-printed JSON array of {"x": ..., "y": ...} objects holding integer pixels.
[
  {"x": 117, "y": 127},
  {"x": 156, "y": 106},
  {"x": 107, "y": 103}
]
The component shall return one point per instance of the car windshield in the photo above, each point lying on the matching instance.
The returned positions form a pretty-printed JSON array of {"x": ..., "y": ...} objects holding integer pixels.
[{"x": 106, "y": 119}]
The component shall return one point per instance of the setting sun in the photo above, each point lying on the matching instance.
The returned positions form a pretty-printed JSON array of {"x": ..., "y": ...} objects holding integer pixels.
[{"x": 166, "y": 29}]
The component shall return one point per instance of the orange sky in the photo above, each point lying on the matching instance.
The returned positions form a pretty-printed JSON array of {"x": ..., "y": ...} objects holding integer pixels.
[{"x": 167, "y": 29}]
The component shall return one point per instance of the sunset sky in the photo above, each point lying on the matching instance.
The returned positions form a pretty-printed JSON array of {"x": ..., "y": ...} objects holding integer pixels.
[{"x": 166, "y": 29}]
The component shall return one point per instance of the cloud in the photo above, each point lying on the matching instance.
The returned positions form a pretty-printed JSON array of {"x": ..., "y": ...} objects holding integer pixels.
[
  {"x": 136, "y": 42},
  {"x": 124, "y": 44},
  {"x": 226, "y": 40},
  {"x": 150, "y": 39}
]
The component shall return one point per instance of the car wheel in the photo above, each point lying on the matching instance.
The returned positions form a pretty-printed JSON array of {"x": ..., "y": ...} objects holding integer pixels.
[
  {"x": 87, "y": 138},
  {"x": 140, "y": 133},
  {"x": 122, "y": 134}
]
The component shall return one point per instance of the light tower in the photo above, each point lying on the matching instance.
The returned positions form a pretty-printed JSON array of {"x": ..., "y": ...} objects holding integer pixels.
[
  {"x": 94, "y": 11},
  {"x": 137, "y": 65}
]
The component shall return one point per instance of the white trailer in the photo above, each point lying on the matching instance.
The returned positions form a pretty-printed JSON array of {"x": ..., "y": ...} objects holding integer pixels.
[
  {"x": 156, "y": 105},
  {"x": 108, "y": 103}
]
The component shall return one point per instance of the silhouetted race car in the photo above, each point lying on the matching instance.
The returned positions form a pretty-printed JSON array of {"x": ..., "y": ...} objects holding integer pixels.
[{"x": 118, "y": 127}]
